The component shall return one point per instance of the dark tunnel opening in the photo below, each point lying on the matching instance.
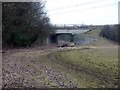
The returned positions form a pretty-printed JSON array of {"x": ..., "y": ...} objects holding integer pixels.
[{"x": 55, "y": 37}]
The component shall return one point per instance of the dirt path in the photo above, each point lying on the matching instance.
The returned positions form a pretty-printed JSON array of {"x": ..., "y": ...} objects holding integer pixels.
[{"x": 22, "y": 68}]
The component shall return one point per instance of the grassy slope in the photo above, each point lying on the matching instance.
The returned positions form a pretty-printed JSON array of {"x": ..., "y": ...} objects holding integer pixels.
[
  {"x": 90, "y": 67},
  {"x": 99, "y": 40},
  {"x": 87, "y": 67}
]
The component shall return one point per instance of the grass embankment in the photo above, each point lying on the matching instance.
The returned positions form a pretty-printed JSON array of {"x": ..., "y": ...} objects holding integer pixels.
[
  {"x": 88, "y": 67},
  {"x": 85, "y": 67},
  {"x": 99, "y": 41}
]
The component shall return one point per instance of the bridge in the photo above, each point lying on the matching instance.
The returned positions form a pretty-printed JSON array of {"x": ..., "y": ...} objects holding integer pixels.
[
  {"x": 72, "y": 31},
  {"x": 67, "y": 31}
]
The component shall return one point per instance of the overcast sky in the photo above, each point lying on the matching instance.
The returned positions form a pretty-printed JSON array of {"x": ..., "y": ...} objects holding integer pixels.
[{"x": 95, "y": 12}]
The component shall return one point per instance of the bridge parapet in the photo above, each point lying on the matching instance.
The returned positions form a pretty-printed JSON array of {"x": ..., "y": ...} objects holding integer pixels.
[
  {"x": 70, "y": 26},
  {"x": 72, "y": 31}
]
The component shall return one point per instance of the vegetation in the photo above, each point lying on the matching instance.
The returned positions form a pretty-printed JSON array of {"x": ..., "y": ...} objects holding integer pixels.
[
  {"x": 111, "y": 33},
  {"x": 83, "y": 67},
  {"x": 98, "y": 40},
  {"x": 89, "y": 67},
  {"x": 24, "y": 23}
]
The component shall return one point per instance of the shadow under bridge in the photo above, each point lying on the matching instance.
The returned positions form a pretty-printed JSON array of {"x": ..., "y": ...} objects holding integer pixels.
[{"x": 56, "y": 37}]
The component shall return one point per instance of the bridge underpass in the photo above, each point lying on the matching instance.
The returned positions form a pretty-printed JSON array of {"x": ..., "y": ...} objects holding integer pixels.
[{"x": 55, "y": 37}]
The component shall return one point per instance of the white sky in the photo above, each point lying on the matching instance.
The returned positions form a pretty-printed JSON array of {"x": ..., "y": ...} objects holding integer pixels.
[{"x": 83, "y": 11}]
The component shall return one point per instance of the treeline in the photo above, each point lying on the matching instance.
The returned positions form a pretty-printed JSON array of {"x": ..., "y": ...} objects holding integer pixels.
[
  {"x": 24, "y": 23},
  {"x": 111, "y": 32}
]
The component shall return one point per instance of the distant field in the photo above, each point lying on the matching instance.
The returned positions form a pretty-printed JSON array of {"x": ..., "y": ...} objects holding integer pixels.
[{"x": 94, "y": 66}]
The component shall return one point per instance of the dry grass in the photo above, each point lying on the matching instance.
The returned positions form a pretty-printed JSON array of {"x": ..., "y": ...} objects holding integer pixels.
[{"x": 92, "y": 66}]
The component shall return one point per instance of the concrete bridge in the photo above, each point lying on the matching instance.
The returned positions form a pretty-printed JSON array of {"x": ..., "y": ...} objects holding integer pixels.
[
  {"x": 72, "y": 31},
  {"x": 53, "y": 38}
]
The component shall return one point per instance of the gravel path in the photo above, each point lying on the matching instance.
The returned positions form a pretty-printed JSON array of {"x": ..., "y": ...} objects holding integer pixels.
[{"x": 21, "y": 69}]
